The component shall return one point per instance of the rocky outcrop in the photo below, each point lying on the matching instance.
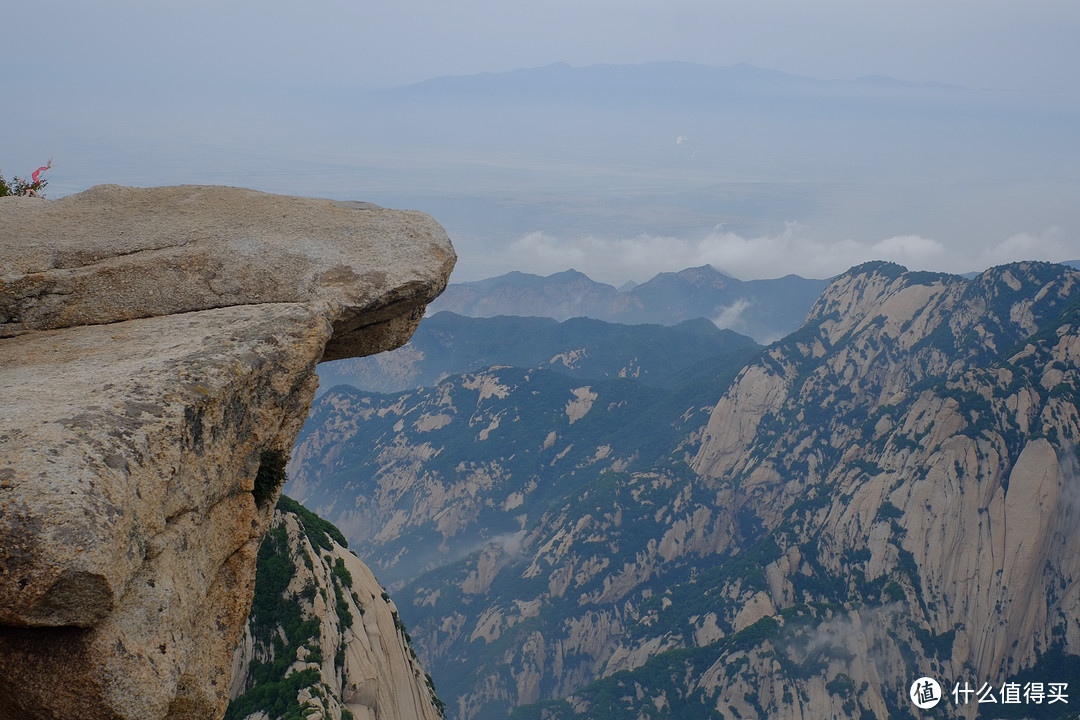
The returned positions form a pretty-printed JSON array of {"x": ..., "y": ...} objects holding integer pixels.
[
  {"x": 157, "y": 358},
  {"x": 343, "y": 635},
  {"x": 125, "y": 254}
]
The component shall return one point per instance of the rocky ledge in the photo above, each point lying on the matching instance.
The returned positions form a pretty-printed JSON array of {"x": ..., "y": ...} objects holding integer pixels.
[{"x": 157, "y": 358}]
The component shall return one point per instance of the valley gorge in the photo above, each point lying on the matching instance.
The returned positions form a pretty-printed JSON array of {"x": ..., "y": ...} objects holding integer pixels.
[{"x": 887, "y": 493}]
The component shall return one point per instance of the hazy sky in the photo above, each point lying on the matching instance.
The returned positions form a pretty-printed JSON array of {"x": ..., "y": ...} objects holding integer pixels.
[
  {"x": 150, "y": 92},
  {"x": 999, "y": 43}
]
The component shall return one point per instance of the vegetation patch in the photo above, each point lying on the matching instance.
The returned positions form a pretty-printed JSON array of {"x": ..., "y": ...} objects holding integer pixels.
[
  {"x": 277, "y": 622},
  {"x": 316, "y": 528},
  {"x": 19, "y": 186},
  {"x": 270, "y": 476}
]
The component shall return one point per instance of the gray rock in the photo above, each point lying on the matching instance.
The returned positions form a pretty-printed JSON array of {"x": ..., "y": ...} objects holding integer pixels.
[
  {"x": 117, "y": 253},
  {"x": 130, "y": 451}
]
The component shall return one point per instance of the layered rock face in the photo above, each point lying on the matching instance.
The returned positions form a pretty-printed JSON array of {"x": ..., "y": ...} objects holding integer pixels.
[{"x": 157, "y": 356}]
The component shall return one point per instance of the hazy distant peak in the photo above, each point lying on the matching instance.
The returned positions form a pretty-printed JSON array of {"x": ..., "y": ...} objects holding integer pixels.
[
  {"x": 882, "y": 80},
  {"x": 753, "y": 71},
  {"x": 562, "y": 77},
  {"x": 524, "y": 279},
  {"x": 704, "y": 271},
  {"x": 570, "y": 274},
  {"x": 701, "y": 276}
]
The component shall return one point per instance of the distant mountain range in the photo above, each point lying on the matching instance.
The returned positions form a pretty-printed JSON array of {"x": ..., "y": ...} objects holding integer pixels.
[
  {"x": 574, "y": 112},
  {"x": 763, "y": 309},
  {"x": 580, "y": 327},
  {"x": 679, "y": 150},
  {"x": 512, "y": 420},
  {"x": 675, "y": 87},
  {"x": 450, "y": 344}
]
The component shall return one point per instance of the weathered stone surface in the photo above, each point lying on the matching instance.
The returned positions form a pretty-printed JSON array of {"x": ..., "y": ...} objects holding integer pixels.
[
  {"x": 116, "y": 253},
  {"x": 129, "y": 451}
]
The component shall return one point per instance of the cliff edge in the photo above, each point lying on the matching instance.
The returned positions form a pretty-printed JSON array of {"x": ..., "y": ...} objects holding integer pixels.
[{"x": 157, "y": 358}]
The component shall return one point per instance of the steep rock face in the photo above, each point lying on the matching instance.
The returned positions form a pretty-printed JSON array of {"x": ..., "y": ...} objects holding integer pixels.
[
  {"x": 420, "y": 479},
  {"x": 159, "y": 362},
  {"x": 351, "y": 655},
  {"x": 874, "y": 333},
  {"x": 910, "y": 496}
]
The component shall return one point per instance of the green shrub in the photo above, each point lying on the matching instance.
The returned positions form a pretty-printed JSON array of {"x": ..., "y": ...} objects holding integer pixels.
[
  {"x": 315, "y": 527},
  {"x": 894, "y": 592},
  {"x": 888, "y": 511},
  {"x": 342, "y": 573}
]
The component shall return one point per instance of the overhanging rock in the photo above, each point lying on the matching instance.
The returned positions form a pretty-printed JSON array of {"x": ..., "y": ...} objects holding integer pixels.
[
  {"x": 157, "y": 355},
  {"x": 115, "y": 253}
]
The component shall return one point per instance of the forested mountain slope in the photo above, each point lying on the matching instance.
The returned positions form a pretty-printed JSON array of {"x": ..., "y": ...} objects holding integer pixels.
[
  {"x": 448, "y": 344},
  {"x": 889, "y": 492},
  {"x": 420, "y": 479}
]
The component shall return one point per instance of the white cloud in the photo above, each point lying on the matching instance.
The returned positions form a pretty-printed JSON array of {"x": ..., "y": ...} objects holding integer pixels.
[
  {"x": 795, "y": 250},
  {"x": 1050, "y": 245},
  {"x": 731, "y": 315},
  {"x": 910, "y": 250}
]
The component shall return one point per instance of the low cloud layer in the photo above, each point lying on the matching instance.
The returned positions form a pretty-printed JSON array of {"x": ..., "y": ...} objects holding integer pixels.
[
  {"x": 794, "y": 251},
  {"x": 731, "y": 315}
]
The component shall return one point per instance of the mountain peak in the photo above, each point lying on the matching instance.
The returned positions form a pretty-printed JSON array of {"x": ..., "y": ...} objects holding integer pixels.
[
  {"x": 764, "y": 309},
  {"x": 702, "y": 271},
  {"x": 570, "y": 274}
]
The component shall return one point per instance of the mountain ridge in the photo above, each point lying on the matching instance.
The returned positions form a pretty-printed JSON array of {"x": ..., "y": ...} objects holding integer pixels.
[
  {"x": 447, "y": 344},
  {"x": 883, "y": 494},
  {"x": 704, "y": 76},
  {"x": 763, "y": 309},
  {"x": 323, "y": 638}
]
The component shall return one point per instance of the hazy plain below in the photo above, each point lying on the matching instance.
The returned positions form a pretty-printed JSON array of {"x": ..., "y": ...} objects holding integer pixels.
[{"x": 622, "y": 171}]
